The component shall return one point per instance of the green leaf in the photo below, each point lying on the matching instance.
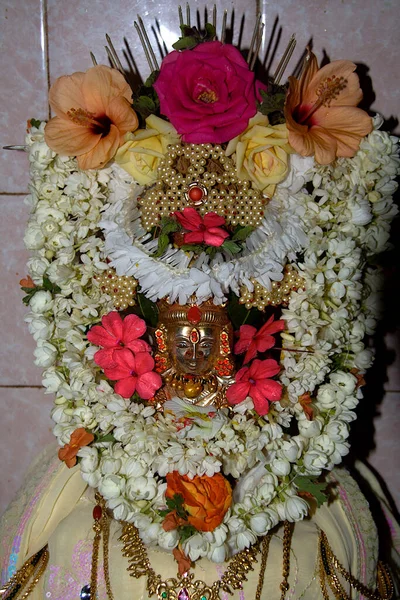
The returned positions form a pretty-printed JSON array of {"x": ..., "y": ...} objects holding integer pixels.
[
  {"x": 163, "y": 241},
  {"x": 192, "y": 248},
  {"x": 186, "y": 531},
  {"x": 239, "y": 314},
  {"x": 312, "y": 487},
  {"x": 231, "y": 246},
  {"x": 185, "y": 43},
  {"x": 210, "y": 31},
  {"x": 169, "y": 225},
  {"x": 151, "y": 79},
  {"x": 148, "y": 309},
  {"x": 242, "y": 232},
  {"x": 104, "y": 438},
  {"x": 35, "y": 123},
  {"x": 28, "y": 290},
  {"x": 144, "y": 103},
  {"x": 27, "y": 299}
]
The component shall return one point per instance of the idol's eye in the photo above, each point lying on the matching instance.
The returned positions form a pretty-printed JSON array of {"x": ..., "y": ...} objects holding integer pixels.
[
  {"x": 182, "y": 345},
  {"x": 206, "y": 345}
]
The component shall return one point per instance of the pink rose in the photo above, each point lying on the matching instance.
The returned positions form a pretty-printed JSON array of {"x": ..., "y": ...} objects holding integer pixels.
[{"x": 207, "y": 93}]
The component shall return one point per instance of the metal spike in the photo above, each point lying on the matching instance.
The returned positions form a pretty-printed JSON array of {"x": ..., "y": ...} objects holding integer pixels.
[
  {"x": 94, "y": 61},
  {"x": 146, "y": 52},
  {"x": 180, "y": 15},
  {"x": 214, "y": 17},
  {"x": 111, "y": 58},
  {"x": 257, "y": 48},
  {"x": 223, "y": 31},
  {"x": 253, "y": 38},
  {"x": 285, "y": 59},
  {"x": 18, "y": 148},
  {"x": 187, "y": 14},
  {"x": 146, "y": 37},
  {"x": 114, "y": 52}
]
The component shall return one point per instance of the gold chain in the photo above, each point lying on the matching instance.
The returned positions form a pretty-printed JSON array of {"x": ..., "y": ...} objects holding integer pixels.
[
  {"x": 101, "y": 525},
  {"x": 31, "y": 570},
  {"x": 287, "y": 540},
  {"x": 330, "y": 565},
  {"x": 264, "y": 557}
]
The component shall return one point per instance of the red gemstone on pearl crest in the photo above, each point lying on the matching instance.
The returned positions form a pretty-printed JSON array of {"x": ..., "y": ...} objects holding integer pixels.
[{"x": 195, "y": 193}]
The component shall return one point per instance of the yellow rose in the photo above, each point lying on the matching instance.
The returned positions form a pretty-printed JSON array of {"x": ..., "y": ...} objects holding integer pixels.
[
  {"x": 143, "y": 149},
  {"x": 261, "y": 153}
]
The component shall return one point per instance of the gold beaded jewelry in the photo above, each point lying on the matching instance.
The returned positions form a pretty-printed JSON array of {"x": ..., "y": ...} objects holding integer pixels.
[
  {"x": 121, "y": 289},
  {"x": 329, "y": 567},
  {"x": 31, "y": 571},
  {"x": 280, "y": 291},
  {"x": 206, "y": 169},
  {"x": 184, "y": 586}
]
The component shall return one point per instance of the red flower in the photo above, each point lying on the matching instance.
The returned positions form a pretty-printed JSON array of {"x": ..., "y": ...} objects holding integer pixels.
[
  {"x": 115, "y": 333},
  {"x": 133, "y": 372},
  {"x": 202, "y": 230},
  {"x": 254, "y": 381},
  {"x": 261, "y": 341}
]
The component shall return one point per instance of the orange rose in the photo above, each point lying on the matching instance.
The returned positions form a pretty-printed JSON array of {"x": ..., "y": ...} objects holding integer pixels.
[{"x": 205, "y": 499}]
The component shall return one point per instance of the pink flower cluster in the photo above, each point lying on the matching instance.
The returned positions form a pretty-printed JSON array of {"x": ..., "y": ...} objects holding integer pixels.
[
  {"x": 255, "y": 381},
  {"x": 125, "y": 358}
]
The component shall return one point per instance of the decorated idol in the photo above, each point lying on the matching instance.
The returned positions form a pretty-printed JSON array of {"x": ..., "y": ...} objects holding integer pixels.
[{"x": 200, "y": 290}]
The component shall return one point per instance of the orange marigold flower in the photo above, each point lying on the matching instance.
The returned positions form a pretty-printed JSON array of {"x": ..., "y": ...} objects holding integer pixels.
[
  {"x": 205, "y": 499},
  {"x": 79, "y": 438},
  {"x": 321, "y": 113},
  {"x": 93, "y": 114}
]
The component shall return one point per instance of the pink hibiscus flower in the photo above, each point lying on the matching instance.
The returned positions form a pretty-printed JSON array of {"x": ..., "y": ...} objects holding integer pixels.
[
  {"x": 115, "y": 333},
  {"x": 254, "y": 381},
  {"x": 257, "y": 341},
  {"x": 133, "y": 373},
  {"x": 202, "y": 230}
]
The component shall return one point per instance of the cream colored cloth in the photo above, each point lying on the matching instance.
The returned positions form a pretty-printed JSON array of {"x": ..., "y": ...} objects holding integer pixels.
[{"x": 55, "y": 507}]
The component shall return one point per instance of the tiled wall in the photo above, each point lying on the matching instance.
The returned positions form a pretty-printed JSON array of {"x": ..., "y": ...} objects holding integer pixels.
[{"x": 43, "y": 39}]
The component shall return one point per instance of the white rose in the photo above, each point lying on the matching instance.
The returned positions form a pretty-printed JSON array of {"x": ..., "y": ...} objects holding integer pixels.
[
  {"x": 337, "y": 430},
  {"x": 309, "y": 429},
  {"x": 345, "y": 381},
  {"x": 141, "y": 488},
  {"x": 217, "y": 554},
  {"x": 260, "y": 524},
  {"x": 89, "y": 459},
  {"x": 41, "y": 302},
  {"x": 364, "y": 359},
  {"x": 120, "y": 508},
  {"x": 133, "y": 468},
  {"x": 293, "y": 509},
  {"x": 168, "y": 539},
  {"x": 37, "y": 268},
  {"x": 327, "y": 396},
  {"x": 86, "y": 417},
  {"x": 280, "y": 467},
  {"x": 112, "y": 486},
  {"x": 45, "y": 354},
  {"x": 196, "y": 547},
  {"x": 52, "y": 381},
  {"x": 292, "y": 449},
  {"x": 34, "y": 238},
  {"x": 315, "y": 461},
  {"x": 40, "y": 327}
]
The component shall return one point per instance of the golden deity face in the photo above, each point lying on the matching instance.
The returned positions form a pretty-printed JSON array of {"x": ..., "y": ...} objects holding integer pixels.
[{"x": 193, "y": 350}]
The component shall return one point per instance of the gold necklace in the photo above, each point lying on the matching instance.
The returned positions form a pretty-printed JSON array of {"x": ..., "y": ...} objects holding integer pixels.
[
  {"x": 184, "y": 587},
  {"x": 31, "y": 570},
  {"x": 329, "y": 567}
]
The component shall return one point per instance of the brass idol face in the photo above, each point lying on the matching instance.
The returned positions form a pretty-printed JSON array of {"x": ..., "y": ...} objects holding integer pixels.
[{"x": 193, "y": 350}]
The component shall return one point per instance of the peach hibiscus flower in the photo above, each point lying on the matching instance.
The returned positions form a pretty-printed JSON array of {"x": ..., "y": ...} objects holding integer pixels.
[
  {"x": 321, "y": 113},
  {"x": 79, "y": 438},
  {"x": 93, "y": 114}
]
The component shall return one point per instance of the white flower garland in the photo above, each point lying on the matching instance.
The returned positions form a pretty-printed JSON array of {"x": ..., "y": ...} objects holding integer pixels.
[{"x": 345, "y": 218}]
